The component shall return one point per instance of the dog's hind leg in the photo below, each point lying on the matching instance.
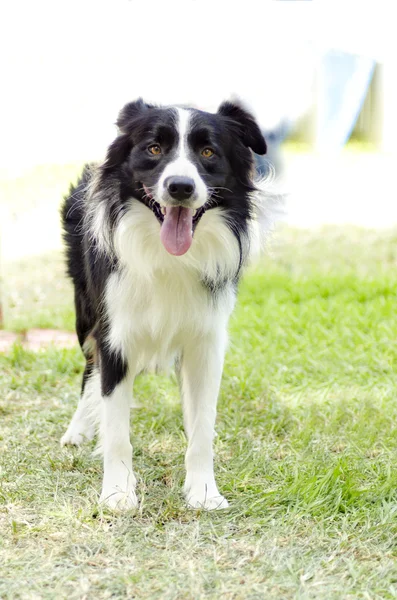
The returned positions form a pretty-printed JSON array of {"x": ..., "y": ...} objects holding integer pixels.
[
  {"x": 87, "y": 415},
  {"x": 83, "y": 424}
]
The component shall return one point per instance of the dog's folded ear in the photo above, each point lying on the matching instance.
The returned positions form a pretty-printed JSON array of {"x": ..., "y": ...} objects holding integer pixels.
[
  {"x": 129, "y": 113},
  {"x": 248, "y": 128},
  {"x": 119, "y": 149},
  {"x": 117, "y": 153}
]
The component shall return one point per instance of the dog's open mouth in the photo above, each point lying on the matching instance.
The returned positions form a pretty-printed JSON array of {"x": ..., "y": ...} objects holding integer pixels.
[
  {"x": 159, "y": 211},
  {"x": 178, "y": 223}
]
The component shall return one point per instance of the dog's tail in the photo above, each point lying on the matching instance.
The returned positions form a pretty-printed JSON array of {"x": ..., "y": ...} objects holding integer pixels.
[
  {"x": 73, "y": 211},
  {"x": 72, "y": 216}
]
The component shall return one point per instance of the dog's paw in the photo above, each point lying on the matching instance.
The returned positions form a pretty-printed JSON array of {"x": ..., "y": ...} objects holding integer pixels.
[
  {"x": 206, "y": 503},
  {"x": 200, "y": 494},
  {"x": 75, "y": 435},
  {"x": 119, "y": 501}
]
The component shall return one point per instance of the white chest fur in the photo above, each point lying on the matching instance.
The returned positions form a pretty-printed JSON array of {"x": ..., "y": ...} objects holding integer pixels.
[{"x": 157, "y": 301}]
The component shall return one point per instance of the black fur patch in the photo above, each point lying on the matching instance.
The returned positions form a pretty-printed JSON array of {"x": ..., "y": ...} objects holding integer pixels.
[{"x": 113, "y": 370}]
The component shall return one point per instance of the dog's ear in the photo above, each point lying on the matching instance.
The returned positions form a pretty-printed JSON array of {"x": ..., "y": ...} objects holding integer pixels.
[
  {"x": 120, "y": 148},
  {"x": 117, "y": 153},
  {"x": 249, "y": 131},
  {"x": 129, "y": 113}
]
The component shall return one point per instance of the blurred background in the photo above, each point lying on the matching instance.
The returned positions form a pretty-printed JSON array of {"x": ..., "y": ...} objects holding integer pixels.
[{"x": 318, "y": 75}]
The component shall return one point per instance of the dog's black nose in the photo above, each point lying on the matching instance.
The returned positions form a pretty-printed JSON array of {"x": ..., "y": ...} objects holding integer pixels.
[{"x": 180, "y": 188}]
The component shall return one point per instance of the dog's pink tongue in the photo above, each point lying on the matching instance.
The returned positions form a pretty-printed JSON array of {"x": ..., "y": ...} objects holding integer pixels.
[{"x": 176, "y": 230}]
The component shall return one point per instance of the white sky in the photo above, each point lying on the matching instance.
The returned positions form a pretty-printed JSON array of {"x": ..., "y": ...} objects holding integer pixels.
[{"x": 70, "y": 66}]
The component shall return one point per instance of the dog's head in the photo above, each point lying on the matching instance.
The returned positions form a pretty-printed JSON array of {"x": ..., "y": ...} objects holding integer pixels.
[{"x": 182, "y": 162}]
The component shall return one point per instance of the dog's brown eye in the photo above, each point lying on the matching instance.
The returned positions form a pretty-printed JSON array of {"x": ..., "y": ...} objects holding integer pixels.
[
  {"x": 207, "y": 153},
  {"x": 154, "y": 149}
]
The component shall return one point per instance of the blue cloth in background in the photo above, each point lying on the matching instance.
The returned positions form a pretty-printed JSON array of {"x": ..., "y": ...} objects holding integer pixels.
[{"x": 343, "y": 82}]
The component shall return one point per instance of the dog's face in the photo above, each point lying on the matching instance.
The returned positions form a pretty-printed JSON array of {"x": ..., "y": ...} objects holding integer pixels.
[{"x": 182, "y": 162}]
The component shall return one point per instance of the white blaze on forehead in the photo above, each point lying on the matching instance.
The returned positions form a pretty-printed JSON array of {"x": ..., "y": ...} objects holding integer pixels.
[
  {"x": 183, "y": 130},
  {"x": 182, "y": 165}
]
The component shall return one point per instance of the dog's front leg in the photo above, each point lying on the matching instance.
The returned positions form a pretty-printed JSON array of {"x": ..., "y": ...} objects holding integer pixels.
[
  {"x": 119, "y": 482},
  {"x": 201, "y": 372}
]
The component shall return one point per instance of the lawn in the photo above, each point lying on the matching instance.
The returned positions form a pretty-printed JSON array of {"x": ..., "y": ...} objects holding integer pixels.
[{"x": 306, "y": 446}]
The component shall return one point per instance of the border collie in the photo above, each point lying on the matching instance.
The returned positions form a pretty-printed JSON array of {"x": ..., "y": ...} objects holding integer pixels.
[{"x": 157, "y": 237}]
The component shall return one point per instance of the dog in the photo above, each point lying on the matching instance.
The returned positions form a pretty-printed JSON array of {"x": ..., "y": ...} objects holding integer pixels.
[{"x": 157, "y": 237}]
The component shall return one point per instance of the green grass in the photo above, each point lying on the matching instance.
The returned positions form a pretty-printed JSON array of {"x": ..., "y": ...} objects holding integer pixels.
[
  {"x": 37, "y": 294},
  {"x": 306, "y": 446}
]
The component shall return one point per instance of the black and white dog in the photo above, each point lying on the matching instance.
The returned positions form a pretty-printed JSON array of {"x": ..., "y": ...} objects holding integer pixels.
[{"x": 157, "y": 236}]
